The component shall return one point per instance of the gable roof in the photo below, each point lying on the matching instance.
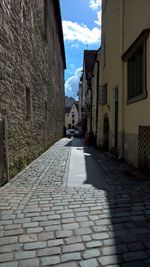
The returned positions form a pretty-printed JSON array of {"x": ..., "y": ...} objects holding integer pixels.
[{"x": 88, "y": 62}]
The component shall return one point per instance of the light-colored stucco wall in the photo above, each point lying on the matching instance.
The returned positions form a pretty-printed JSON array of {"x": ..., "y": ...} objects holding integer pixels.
[
  {"x": 122, "y": 22},
  {"x": 111, "y": 69},
  {"x": 137, "y": 113}
]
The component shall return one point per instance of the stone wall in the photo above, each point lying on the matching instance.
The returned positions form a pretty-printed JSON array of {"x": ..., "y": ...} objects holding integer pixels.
[{"x": 30, "y": 62}]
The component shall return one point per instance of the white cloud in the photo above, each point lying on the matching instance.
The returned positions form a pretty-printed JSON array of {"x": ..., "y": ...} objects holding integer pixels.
[
  {"x": 74, "y": 31},
  {"x": 75, "y": 45},
  {"x": 71, "y": 85},
  {"x": 99, "y": 15},
  {"x": 95, "y": 4}
]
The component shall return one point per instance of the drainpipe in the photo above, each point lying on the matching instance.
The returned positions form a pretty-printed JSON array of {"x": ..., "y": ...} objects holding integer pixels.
[
  {"x": 122, "y": 72},
  {"x": 97, "y": 95}
]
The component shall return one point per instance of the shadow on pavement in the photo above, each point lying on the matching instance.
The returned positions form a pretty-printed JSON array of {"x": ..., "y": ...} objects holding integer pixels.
[{"x": 126, "y": 214}]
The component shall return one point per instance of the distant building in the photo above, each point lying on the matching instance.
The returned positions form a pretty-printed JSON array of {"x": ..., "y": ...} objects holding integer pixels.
[
  {"x": 32, "y": 63},
  {"x": 69, "y": 101},
  {"x": 72, "y": 116},
  {"x": 85, "y": 90}
]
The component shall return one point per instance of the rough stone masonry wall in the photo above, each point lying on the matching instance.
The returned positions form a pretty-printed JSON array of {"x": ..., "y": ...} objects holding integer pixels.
[{"x": 28, "y": 60}]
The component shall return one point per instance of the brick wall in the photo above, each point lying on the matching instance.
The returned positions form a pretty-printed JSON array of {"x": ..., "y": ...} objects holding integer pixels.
[{"x": 29, "y": 62}]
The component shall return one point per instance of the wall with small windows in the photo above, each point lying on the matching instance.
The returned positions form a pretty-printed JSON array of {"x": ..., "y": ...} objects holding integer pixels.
[
  {"x": 31, "y": 83},
  {"x": 125, "y": 68},
  {"x": 136, "y": 75}
]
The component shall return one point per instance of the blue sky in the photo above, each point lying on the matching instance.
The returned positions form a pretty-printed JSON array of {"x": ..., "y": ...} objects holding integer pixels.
[{"x": 81, "y": 20}]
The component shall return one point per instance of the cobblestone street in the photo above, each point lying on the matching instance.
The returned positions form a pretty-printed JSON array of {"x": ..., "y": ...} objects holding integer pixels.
[{"x": 48, "y": 221}]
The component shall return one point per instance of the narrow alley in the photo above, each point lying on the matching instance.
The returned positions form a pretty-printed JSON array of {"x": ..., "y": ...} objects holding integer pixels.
[{"x": 74, "y": 206}]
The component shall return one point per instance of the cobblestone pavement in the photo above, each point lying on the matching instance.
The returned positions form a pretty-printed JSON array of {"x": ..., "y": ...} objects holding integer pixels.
[{"x": 46, "y": 223}]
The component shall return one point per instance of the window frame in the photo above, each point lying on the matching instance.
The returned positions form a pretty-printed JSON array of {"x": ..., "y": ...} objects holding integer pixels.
[
  {"x": 141, "y": 41},
  {"x": 28, "y": 103},
  {"x": 140, "y": 96}
]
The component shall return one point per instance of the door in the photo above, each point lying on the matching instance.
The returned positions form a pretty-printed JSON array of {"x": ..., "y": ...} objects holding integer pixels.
[
  {"x": 106, "y": 133},
  {"x": 116, "y": 118},
  {"x": 3, "y": 151}
]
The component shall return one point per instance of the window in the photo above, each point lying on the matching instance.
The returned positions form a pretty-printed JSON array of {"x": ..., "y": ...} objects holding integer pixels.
[
  {"x": 45, "y": 110},
  {"x": 72, "y": 116},
  {"x": 103, "y": 94},
  {"x": 136, "y": 74},
  {"x": 28, "y": 104},
  {"x": 72, "y": 121},
  {"x": 135, "y": 56},
  {"x": 45, "y": 19}
]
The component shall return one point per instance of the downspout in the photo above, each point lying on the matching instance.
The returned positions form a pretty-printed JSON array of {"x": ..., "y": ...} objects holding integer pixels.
[
  {"x": 122, "y": 73},
  {"x": 97, "y": 98},
  {"x": 91, "y": 106}
]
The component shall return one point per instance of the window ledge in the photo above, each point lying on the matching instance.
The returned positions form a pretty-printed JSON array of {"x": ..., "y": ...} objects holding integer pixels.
[{"x": 137, "y": 98}]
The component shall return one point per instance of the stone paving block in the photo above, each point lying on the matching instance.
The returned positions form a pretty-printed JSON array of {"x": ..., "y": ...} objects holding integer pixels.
[
  {"x": 100, "y": 236},
  {"x": 6, "y": 222},
  {"x": 73, "y": 247},
  {"x": 94, "y": 244},
  {"x": 13, "y": 232},
  {"x": 81, "y": 219},
  {"x": 109, "y": 260},
  {"x": 63, "y": 234},
  {"x": 70, "y": 226},
  {"x": 8, "y": 240},
  {"x": 34, "y": 230},
  {"x": 103, "y": 222},
  {"x": 136, "y": 264},
  {"x": 50, "y": 222},
  {"x": 130, "y": 256},
  {"x": 29, "y": 263},
  {"x": 9, "y": 264},
  {"x": 49, "y": 251},
  {"x": 91, "y": 253},
  {"x": 68, "y": 220},
  {"x": 10, "y": 248},
  {"x": 53, "y": 228},
  {"x": 87, "y": 224},
  {"x": 23, "y": 220},
  {"x": 102, "y": 228},
  {"x": 39, "y": 218},
  {"x": 34, "y": 245},
  {"x": 67, "y": 215},
  {"x": 8, "y": 217},
  {"x": 135, "y": 246},
  {"x": 81, "y": 214},
  {"x": 21, "y": 255},
  {"x": 70, "y": 264},
  {"x": 71, "y": 257},
  {"x": 83, "y": 231},
  {"x": 54, "y": 217},
  {"x": 30, "y": 225},
  {"x": 6, "y": 257},
  {"x": 89, "y": 263},
  {"x": 50, "y": 261},
  {"x": 27, "y": 238},
  {"x": 32, "y": 214},
  {"x": 109, "y": 250},
  {"x": 55, "y": 242},
  {"x": 45, "y": 236},
  {"x": 12, "y": 226},
  {"x": 73, "y": 239},
  {"x": 86, "y": 238}
]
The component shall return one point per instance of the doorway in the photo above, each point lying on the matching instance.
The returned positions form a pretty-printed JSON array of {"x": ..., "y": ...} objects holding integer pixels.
[
  {"x": 116, "y": 118},
  {"x": 106, "y": 133},
  {"x": 3, "y": 151}
]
